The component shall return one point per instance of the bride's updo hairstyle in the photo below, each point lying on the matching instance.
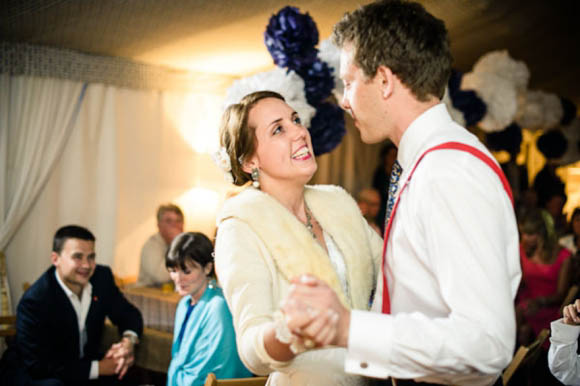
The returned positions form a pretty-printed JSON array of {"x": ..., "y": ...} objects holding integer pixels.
[{"x": 237, "y": 137}]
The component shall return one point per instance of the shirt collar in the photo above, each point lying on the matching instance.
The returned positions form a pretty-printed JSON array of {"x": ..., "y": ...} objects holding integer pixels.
[
  {"x": 417, "y": 135},
  {"x": 88, "y": 288}
]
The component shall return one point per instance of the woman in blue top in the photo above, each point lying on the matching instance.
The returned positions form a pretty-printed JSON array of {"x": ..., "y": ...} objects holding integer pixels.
[{"x": 204, "y": 340}]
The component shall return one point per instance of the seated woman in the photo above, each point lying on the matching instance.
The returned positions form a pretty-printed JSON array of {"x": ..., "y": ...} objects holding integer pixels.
[
  {"x": 278, "y": 228},
  {"x": 571, "y": 241},
  {"x": 545, "y": 276},
  {"x": 204, "y": 340}
]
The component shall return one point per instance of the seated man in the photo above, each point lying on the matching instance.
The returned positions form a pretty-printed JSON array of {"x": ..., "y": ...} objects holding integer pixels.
[
  {"x": 369, "y": 202},
  {"x": 60, "y": 320},
  {"x": 152, "y": 270}
]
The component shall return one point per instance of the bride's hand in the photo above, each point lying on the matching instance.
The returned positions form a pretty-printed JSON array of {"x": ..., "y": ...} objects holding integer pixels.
[{"x": 315, "y": 314}]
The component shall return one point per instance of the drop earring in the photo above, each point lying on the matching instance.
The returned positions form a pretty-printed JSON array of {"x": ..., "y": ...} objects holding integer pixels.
[{"x": 255, "y": 176}]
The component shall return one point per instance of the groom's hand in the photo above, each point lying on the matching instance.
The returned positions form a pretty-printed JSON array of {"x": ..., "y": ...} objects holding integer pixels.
[{"x": 314, "y": 313}]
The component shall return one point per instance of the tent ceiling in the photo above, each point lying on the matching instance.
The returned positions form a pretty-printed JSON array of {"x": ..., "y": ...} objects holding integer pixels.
[{"x": 226, "y": 36}]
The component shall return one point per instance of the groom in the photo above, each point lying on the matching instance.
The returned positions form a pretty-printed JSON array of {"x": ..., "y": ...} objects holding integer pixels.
[{"x": 443, "y": 311}]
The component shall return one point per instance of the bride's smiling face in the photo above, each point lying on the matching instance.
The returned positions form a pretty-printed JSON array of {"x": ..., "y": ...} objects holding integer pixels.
[{"x": 284, "y": 149}]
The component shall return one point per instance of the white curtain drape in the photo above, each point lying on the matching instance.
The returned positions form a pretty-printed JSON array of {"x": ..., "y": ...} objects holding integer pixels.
[{"x": 36, "y": 119}]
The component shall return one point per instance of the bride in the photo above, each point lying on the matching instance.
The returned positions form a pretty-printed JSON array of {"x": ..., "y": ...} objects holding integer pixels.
[{"x": 277, "y": 228}]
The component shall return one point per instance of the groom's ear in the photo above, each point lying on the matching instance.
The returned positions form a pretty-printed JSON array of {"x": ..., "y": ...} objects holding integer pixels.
[{"x": 387, "y": 81}]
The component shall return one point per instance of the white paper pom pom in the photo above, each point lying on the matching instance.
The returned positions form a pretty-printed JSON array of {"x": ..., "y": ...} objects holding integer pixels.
[
  {"x": 456, "y": 115},
  {"x": 289, "y": 85},
  {"x": 330, "y": 54},
  {"x": 501, "y": 64},
  {"x": 539, "y": 110},
  {"x": 499, "y": 95}
]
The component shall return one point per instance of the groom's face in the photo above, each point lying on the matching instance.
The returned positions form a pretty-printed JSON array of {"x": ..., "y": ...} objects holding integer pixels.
[{"x": 362, "y": 97}]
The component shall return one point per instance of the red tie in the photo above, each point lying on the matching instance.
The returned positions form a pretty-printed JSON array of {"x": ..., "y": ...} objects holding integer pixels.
[{"x": 386, "y": 309}]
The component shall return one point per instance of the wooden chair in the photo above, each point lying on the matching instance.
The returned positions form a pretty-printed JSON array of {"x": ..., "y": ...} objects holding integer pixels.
[
  {"x": 211, "y": 380},
  {"x": 7, "y": 320},
  {"x": 525, "y": 357},
  {"x": 7, "y": 325},
  {"x": 572, "y": 292}
]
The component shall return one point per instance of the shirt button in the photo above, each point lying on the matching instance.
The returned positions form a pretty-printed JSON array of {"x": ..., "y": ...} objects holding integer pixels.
[{"x": 364, "y": 365}]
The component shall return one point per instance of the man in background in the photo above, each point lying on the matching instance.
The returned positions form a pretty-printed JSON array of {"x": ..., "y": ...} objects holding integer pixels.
[
  {"x": 61, "y": 317},
  {"x": 152, "y": 271},
  {"x": 369, "y": 202}
]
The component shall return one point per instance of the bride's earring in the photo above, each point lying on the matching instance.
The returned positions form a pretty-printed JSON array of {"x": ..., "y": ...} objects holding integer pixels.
[{"x": 255, "y": 176}]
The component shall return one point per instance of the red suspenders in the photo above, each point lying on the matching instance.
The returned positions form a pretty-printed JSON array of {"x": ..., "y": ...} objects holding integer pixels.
[{"x": 386, "y": 309}]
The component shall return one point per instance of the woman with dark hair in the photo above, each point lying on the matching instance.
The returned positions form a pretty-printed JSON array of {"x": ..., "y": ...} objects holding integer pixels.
[
  {"x": 204, "y": 340},
  {"x": 545, "y": 275}
]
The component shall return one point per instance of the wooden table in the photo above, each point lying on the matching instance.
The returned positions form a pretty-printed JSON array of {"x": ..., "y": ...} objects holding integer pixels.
[{"x": 156, "y": 305}]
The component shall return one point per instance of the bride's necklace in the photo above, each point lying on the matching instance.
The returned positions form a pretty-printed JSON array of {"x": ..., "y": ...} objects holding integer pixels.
[{"x": 308, "y": 224}]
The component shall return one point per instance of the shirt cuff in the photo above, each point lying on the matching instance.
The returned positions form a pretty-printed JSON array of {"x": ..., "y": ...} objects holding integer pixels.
[
  {"x": 369, "y": 344},
  {"x": 94, "y": 374},
  {"x": 134, "y": 334},
  {"x": 564, "y": 333}
]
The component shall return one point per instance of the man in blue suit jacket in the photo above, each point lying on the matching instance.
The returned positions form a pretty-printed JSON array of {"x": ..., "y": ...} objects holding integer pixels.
[{"x": 60, "y": 320}]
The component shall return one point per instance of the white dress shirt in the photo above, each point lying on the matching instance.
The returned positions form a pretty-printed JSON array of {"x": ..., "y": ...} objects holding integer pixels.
[
  {"x": 563, "y": 361},
  {"x": 81, "y": 307},
  {"x": 452, "y": 268},
  {"x": 337, "y": 260},
  {"x": 152, "y": 270}
]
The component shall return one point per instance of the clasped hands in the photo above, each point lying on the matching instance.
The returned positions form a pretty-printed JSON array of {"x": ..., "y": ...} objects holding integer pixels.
[
  {"x": 118, "y": 359},
  {"x": 314, "y": 314},
  {"x": 571, "y": 313}
]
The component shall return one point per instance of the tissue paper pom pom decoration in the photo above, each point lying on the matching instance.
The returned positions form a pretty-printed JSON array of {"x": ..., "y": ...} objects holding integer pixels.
[
  {"x": 509, "y": 139},
  {"x": 572, "y": 134},
  {"x": 290, "y": 38},
  {"x": 465, "y": 101},
  {"x": 287, "y": 84},
  {"x": 456, "y": 115},
  {"x": 552, "y": 144},
  {"x": 539, "y": 110},
  {"x": 569, "y": 111},
  {"x": 327, "y": 128},
  {"x": 501, "y": 64},
  {"x": 318, "y": 82},
  {"x": 329, "y": 53},
  {"x": 499, "y": 95}
]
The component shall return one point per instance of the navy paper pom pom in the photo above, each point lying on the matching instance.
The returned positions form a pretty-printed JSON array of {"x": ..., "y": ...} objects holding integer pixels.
[
  {"x": 318, "y": 82},
  {"x": 569, "y": 111},
  {"x": 291, "y": 38},
  {"x": 466, "y": 101},
  {"x": 552, "y": 144},
  {"x": 327, "y": 128},
  {"x": 508, "y": 139}
]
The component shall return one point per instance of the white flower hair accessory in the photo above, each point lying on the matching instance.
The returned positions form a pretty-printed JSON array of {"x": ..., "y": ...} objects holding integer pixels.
[{"x": 222, "y": 160}]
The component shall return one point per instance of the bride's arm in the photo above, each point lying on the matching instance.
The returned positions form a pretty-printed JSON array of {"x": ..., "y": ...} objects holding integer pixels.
[{"x": 247, "y": 276}]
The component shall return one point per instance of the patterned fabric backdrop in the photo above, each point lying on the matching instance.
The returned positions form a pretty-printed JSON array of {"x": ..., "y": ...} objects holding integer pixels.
[{"x": 48, "y": 62}]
